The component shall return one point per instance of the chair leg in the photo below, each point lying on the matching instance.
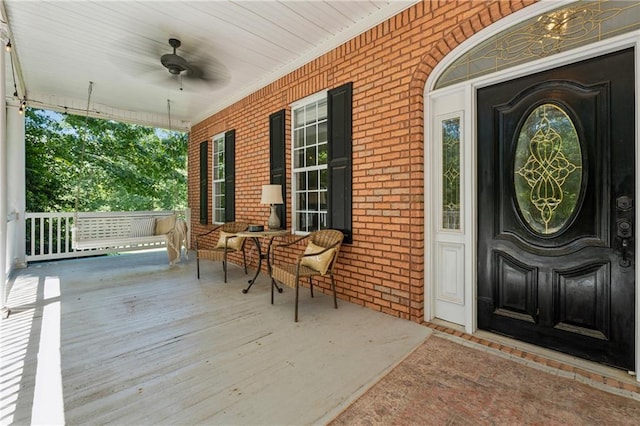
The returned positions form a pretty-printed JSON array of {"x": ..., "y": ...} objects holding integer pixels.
[
  {"x": 224, "y": 266},
  {"x": 273, "y": 283},
  {"x": 296, "y": 312},
  {"x": 197, "y": 266},
  {"x": 311, "y": 286},
  {"x": 333, "y": 286}
]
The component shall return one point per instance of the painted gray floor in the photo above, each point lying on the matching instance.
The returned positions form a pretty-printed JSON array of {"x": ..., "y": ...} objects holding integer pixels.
[{"x": 127, "y": 340}]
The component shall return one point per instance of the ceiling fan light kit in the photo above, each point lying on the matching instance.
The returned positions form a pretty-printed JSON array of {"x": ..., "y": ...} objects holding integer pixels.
[{"x": 172, "y": 61}]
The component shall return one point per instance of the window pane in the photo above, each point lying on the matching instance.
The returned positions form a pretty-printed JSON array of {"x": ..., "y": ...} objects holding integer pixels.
[
  {"x": 311, "y": 156},
  {"x": 308, "y": 222},
  {"x": 322, "y": 109},
  {"x": 301, "y": 202},
  {"x": 322, "y": 154},
  {"x": 312, "y": 221},
  {"x": 311, "y": 135},
  {"x": 303, "y": 222},
  {"x": 298, "y": 221},
  {"x": 451, "y": 173},
  {"x": 311, "y": 114},
  {"x": 298, "y": 138},
  {"x": 219, "y": 170},
  {"x": 323, "y": 221},
  {"x": 323, "y": 179},
  {"x": 322, "y": 132},
  {"x": 298, "y": 158},
  {"x": 301, "y": 181},
  {"x": 219, "y": 215},
  {"x": 548, "y": 169},
  {"x": 574, "y": 25},
  {"x": 313, "y": 201},
  {"x": 298, "y": 117},
  {"x": 313, "y": 179}
]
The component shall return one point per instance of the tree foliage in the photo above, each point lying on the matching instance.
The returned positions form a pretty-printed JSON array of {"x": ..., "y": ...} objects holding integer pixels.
[{"x": 106, "y": 165}]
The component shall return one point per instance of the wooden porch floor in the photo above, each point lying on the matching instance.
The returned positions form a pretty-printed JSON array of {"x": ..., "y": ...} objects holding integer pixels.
[{"x": 127, "y": 340}]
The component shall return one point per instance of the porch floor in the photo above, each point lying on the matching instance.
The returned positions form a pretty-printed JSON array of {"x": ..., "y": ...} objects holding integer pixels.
[{"x": 127, "y": 340}]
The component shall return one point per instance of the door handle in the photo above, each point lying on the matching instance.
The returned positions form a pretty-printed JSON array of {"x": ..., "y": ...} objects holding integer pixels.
[{"x": 625, "y": 233}]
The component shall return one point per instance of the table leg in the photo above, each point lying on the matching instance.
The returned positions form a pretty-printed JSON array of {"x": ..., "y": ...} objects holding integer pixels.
[
  {"x": 261, "y": 256},
  {"x": 256, "y": 240},
  {"x": 269, "y": 268}
]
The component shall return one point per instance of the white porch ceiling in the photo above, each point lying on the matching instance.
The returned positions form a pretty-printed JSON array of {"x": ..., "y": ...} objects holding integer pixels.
[{"x": 60, "y": 46}]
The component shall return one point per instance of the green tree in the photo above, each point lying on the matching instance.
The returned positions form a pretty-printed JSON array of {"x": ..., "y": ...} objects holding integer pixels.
[
  {"x": 49, "y": 169},
  {"x": 109, "y": 165}
]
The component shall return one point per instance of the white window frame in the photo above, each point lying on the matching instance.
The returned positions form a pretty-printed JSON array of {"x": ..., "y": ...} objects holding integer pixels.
[
  {"x": 295, "y": 209},
  {"x": 217, "y": 199}
]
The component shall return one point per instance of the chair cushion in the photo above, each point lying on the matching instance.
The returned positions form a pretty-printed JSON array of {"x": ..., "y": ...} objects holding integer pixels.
[
  {"x": 318, "y": 262},
  {"x": 233, "y": 243},
  {"x": 165, "y": 224},
  {"x": 142, "y": 227}
]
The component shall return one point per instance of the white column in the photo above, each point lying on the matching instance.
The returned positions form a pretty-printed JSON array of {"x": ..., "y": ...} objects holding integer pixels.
[
  {"x": 3, "y": 178},
  {"x": 16, "y": 191}
]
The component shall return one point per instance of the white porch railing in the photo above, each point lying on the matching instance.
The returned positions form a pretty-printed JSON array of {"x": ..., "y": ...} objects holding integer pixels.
[{"x": 49, "y": 235}]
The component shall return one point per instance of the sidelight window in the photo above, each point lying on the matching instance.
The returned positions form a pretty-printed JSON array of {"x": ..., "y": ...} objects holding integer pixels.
[{"x": 451, "y": 173}]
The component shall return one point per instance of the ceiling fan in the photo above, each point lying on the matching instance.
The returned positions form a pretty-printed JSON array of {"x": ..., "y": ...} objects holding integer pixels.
[
  {"x": 195, "y": 71},
  {"x": 176, "y": 64}
]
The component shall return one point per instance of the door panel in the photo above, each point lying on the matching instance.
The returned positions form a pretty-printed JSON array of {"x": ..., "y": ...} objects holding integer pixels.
[{"x": 555, "y": 211}]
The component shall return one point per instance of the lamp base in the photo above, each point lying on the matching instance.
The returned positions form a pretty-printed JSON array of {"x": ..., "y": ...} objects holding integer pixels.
[{"x": 274, "y": 220}]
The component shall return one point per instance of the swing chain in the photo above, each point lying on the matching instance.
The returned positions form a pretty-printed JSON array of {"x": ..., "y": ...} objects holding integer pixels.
[{"x": 82, "y": 150}]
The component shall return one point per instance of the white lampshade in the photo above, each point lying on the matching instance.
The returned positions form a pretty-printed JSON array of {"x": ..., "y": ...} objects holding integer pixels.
[{"x": 271, "y": 194}]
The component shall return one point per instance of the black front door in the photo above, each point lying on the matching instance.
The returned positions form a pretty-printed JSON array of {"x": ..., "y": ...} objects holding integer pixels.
[{"x": 556, "y": 230}]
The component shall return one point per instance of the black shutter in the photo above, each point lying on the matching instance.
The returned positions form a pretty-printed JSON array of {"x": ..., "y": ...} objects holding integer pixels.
[
  {"x": 230, "y": 176},
  {"x": 277, "y": 174},
  {"x": 340, "y": 167},
  {"x": 204, "y": 183}
]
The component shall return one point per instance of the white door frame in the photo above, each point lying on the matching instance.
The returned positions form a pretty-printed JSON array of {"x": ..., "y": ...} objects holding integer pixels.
[{"x": 468, "y": 90}]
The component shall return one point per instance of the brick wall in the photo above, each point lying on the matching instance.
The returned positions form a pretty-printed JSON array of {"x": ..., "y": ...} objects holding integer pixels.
[{"x": 383, "y": 269}]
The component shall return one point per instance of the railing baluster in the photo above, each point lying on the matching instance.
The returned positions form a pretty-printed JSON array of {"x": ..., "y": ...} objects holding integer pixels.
[
  {"x": 67, "y": 239},
  {"x": 49, "y": 244},
  {"x": 33, "y": 236},
  {"x": 58, "y": 224},
  {"x": 41, "y": 233}
]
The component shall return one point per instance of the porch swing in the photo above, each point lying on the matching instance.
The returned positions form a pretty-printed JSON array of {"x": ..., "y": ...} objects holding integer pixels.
[{"x": 110, "y": 232}]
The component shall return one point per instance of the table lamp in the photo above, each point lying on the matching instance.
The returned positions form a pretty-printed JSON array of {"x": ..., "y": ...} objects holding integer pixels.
[{"x": 272, "y": 195}]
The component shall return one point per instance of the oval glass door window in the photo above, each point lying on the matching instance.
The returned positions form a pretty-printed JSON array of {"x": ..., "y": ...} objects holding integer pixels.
[{"x": 548, "y": 169}]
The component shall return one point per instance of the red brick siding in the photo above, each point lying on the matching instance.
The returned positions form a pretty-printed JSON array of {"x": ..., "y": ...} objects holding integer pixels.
[{"x": 389, "y": 64}]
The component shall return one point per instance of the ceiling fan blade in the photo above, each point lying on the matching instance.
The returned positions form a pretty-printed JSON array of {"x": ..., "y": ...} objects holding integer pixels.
[{"x": 211, "y": 72}]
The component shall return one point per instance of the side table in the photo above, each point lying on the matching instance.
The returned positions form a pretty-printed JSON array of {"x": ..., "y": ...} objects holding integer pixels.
[{"x": 255, "y": 236}]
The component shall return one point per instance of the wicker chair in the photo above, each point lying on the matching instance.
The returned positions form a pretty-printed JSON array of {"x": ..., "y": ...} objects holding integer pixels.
[
  {"x": 318, "y": 259},
  {"x": 227, "y": 243}
]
